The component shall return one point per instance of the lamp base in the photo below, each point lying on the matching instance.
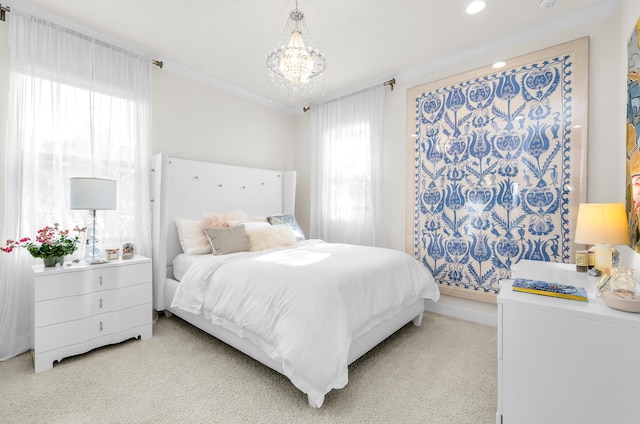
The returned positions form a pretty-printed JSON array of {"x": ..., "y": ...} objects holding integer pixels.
[
  {"x": 603, "y": 257},
  {"x": 97, "y": 261}
]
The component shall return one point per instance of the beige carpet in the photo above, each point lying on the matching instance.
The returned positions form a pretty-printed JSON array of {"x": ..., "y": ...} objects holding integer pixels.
[{"x": 443, "y": 372}]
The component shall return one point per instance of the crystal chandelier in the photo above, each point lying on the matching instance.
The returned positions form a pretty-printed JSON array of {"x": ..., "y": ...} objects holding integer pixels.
[{"x": 296, "y": 67}]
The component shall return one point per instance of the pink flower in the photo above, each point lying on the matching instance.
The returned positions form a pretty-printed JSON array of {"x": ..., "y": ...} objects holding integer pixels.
[{"x": 50, "y": 241}]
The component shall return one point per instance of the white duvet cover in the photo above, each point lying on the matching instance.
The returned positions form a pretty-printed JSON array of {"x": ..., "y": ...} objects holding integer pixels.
[{"x": 304, "y": 305}]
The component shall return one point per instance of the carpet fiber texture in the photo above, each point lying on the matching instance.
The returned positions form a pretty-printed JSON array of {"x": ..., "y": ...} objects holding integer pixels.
[{"x": 442, "y": 372}]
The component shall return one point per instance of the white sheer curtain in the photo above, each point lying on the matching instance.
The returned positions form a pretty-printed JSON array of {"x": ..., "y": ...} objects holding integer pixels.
[
  {"x": 77, "y": 107},
  {"x": 347, "y": 169}
]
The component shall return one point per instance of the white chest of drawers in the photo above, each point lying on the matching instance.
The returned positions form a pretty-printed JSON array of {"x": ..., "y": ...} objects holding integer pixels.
[
  {"x": 562, "y": 361},
  {"x": 83, "y": 307}
]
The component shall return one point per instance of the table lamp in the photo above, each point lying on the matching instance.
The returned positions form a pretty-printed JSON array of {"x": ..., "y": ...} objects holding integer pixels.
[
  {"x": 602, "y": 224},
  {"x": 92, "y": 194}
]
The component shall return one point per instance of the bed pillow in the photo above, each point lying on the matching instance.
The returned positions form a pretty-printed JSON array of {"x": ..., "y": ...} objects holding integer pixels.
[
  {"x": 220, "y": 220},
  {"x": 270, "y": 237},
  {"x": 290, "y": 221},
  {"x": 251, "y": 226},
  {"x": 228, "y": 240},
  {"x": 192, "y": 237},
  {"x": 257, "y": 219}
]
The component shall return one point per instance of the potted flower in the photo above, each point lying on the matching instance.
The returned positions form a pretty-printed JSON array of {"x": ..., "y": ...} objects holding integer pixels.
[{"x": 52, "y": 244}]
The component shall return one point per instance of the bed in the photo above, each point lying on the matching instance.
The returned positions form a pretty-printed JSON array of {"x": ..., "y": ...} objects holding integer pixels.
[{"x": 320, "y": 311}]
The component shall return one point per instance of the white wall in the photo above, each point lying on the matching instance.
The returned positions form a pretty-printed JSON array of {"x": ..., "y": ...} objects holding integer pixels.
[
  {"x": 194, "y": 121},
  {"x": 606, "y": 176},
  {"x": 606, "y": 156},
  {"x": 303, "y": 167}
]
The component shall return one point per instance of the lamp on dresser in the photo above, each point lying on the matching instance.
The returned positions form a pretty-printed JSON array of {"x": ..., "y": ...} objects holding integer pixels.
[
  {"x": 92, "y": 194},
  {"x": 603, "y": 225}
]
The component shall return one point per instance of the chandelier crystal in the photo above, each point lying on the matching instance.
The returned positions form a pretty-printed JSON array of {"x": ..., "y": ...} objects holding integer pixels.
[{"x": 296, "y": 66}]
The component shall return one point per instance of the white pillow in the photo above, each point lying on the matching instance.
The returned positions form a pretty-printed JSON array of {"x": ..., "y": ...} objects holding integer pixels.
[
  {"x": 192, "y": 237},
  {"x": 250, "y": 226},
  {"x": 270, "y": 237}
]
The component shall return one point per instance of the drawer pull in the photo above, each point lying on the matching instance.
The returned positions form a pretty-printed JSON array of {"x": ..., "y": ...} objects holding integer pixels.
[
  {"x": 100, "y": 279},
  {"x": 100, "y": 303},
  {"x": 100, "y": 325}
]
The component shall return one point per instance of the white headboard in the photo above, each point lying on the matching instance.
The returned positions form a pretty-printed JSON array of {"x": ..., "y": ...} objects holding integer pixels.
[{"x": 189, "y": 189}]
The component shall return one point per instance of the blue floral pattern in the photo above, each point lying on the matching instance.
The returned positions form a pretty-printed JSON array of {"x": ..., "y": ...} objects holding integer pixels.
[{"x": 492, "y": 172}]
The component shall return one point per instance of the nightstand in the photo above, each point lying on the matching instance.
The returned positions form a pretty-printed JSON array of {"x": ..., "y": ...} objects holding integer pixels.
[
  {"x": 565, "y": 361},
  {"x": 81, "y": 307}
]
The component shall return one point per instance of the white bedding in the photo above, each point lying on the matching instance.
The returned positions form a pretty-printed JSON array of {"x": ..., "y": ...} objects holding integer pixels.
[
  {"x": 304, "y": 305},
  {"x": 182, "y": 263}
]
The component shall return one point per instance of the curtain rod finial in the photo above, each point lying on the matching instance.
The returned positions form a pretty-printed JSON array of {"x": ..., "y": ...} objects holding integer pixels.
[
  {"x": 391, "y": 82},
  {"x": 3, "y": 12}
]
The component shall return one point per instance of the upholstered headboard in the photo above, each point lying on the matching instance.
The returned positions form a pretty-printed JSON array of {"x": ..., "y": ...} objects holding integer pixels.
[{"x": 188, "y": 189}]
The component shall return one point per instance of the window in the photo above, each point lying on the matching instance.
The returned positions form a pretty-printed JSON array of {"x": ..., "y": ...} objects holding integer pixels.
[
  {"x": 70, "y": 132},
  {"x": 347, "y": 169},
  {"x": 77, "y": 107},
  {"x": 350, "y": 161}
]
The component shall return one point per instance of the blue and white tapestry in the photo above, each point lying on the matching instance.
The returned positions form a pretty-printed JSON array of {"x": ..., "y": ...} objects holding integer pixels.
[{"x": 497, "y": 169}]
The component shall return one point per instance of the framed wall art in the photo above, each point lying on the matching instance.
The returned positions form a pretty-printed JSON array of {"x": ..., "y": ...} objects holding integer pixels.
[
  {"x": 633, "y": 136},
  {"x": 496, "y": 168}
]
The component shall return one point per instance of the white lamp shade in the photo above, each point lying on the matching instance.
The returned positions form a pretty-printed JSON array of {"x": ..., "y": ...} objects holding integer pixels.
[
  {"x": 602, "y": 223},
  {"x": 92, "y": 193}
]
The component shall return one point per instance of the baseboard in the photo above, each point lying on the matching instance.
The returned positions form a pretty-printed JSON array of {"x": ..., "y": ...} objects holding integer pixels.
[{"x": 470, "y": 310}]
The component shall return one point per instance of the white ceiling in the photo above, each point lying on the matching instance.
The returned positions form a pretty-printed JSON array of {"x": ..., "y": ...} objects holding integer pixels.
[{"x": 365, "y": 41}]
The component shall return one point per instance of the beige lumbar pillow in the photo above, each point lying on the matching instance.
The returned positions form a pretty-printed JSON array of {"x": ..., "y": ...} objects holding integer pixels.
[{"x": 228, "y": 240}]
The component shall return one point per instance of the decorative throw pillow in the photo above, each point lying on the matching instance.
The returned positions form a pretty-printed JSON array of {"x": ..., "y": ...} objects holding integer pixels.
[
  {"x": 270, "y": 237},
  {"x": 228, "y": 240},
  {"x": 192, "y": 237},
  {"x": 290, "y": 221},
  {"x": 220, "y": 220}
]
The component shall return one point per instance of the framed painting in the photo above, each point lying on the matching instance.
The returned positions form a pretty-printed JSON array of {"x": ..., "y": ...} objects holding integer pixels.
[
  {"x": 496, "y": 168},
  {"x": 633, "y": 136}
]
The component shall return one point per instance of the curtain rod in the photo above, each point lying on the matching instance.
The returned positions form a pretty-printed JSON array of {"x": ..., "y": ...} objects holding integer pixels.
[
  {"x": 391, "y": 82},
  {"x": 6, "y": 9}
]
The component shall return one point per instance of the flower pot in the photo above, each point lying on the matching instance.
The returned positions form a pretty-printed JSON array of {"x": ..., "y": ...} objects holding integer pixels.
[{"x": 53, "y": 260}]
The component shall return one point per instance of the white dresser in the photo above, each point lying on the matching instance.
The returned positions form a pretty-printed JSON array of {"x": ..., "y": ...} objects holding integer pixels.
[
  {"x": 83, "y": 307},
  {"x": 563, "y": 361}
]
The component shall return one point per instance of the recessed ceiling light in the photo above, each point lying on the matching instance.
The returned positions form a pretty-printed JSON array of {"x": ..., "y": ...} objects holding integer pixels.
[
  {"x": 475, "y": 7},
  {"x": 498, "y": 65}
]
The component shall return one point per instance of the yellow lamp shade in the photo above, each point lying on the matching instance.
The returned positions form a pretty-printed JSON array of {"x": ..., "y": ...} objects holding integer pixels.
[{"x": 602, "y": 224}]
